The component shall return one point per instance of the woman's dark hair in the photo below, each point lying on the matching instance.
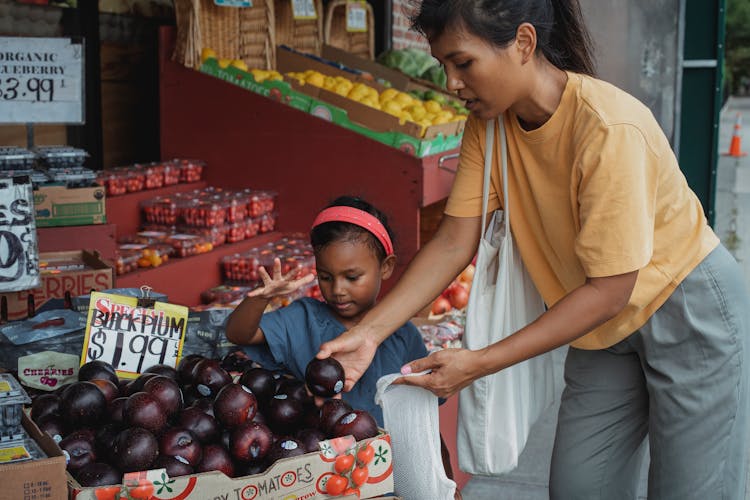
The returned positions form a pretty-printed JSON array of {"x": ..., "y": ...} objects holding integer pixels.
[
  {"x": 329, "y": 232},
  {"x": 562, "y": 35}
]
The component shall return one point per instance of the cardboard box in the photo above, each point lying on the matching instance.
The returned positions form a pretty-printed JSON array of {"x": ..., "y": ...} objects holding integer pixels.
[
  {"x": 58, "y": 205},
  {"x": 97, "y": 276},
  {"x": 301, "y": 477},
  {"x": 371, "y": 118},
  {"x": 43, "y": 479}
]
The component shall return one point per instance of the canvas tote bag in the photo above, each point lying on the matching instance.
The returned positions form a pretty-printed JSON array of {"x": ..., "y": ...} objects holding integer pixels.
[{"x": 496, "y": 412}]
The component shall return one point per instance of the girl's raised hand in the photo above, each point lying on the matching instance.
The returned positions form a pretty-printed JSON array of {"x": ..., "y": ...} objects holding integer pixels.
[
  {"x": 451, "y": 371},
  {"x": 277, "y": 284}
]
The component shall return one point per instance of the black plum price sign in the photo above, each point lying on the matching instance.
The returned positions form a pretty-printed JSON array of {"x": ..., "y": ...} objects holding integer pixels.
[{"x": 41, "y": 80}]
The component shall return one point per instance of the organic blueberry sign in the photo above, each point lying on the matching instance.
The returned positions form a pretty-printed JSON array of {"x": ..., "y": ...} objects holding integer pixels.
[
  {"x": 41, "y": 80},
  {"x": 19, "y": 257},
  {"x": 133, "y": 338}
]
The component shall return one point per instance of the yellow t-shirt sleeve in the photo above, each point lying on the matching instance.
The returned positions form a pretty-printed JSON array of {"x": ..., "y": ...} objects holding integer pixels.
[
  {"x": 465, "y": 199},
  {"x": 617, "y": 199}
]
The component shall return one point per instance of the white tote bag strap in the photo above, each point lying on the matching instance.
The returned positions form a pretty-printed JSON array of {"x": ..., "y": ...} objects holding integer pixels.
[{"x": 490, "y": 140}]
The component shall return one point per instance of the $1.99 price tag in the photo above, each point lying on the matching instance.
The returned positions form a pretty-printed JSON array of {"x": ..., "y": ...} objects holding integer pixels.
[
  {"x": 356, "y": 17},
  {"x": 304, "y": 9},
  {"x": 41, "y": 80}
]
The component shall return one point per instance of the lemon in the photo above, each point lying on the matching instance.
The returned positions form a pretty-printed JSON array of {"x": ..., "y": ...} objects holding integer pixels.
[
  {"x": 447, "y": 115},
  {"x": 387, "y": 95},
  {"x": 329, "y": 83},
  {"x": 275, "y": 76},
  {"x": 239, "y": 64},
  {"x": 417, "y": 111},
  {"x": 343, "y": 88},
  {"x": 433, "y": 106},
  {"x": 405, "y": 116},
  {"x": 391, "y": 107},
  {"x": 357, "y": 94},
  {"x": 459, "y": 118},
  {"x": 369, "y": 101},
  {"x": 315, "y": 79},
  {"x": 404, "y": 99},
  {"x": 259, "y": 75},
  {"x": 207, "y": 53},
  {"x": 224, "y": 63},
  {"x": 440, "y": 119}
]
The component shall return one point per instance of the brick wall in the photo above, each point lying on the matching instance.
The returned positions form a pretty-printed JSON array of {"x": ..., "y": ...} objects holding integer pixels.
[{"x": 402, "y": 36}]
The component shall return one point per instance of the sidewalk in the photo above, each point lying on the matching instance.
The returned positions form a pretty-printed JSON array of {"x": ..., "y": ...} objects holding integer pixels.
[{"x": 529, "y": 480}]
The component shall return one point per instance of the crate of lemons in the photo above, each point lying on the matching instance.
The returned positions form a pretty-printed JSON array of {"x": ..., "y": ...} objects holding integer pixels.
[
  {"x": 425, "y": 110},
  {"x": 404, "y": 106}
]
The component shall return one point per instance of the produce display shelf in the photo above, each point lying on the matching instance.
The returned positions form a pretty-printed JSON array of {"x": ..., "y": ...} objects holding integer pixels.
[
  {"x": 183, "y": 279},
  {"x": 124, "y": 210}
]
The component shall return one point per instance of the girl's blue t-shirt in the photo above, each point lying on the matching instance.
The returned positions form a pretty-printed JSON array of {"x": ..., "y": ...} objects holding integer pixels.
[{"x": 295, "y": 333}]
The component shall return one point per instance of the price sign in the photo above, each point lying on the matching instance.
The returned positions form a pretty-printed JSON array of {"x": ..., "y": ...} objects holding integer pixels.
[
  {"x": 133, "y": 338},
  {"x": 304, "y": 9},
  {"x": 41, "y": 80},
  {"x": 356, "y": 17},
  {"x": 233, "y": 3}
]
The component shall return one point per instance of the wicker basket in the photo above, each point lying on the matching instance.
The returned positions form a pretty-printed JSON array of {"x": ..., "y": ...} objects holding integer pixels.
[
  {"x": 233, "y": 33},
  {"x": 305, "y": 35},
  {"x": 359, "y": 43}
]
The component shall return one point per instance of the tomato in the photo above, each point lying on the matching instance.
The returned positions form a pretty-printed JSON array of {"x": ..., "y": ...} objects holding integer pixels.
[
  {"x": 441, "y": 306},
  {"x": 351, "y": 491},
  {"x": 336, "y": 485},
  {"x": 343, "y": 463},
  {"x": 144, "y": 491},
  {"x": 467, "y": 275},
  {"x": 107, "y": 493},
  {"x": 365, "y": 455},
  {"x": 459, "y": 298},
  {"x": 360, "y": 475}
]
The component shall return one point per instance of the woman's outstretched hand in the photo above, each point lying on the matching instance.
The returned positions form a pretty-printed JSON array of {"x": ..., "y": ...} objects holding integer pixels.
[
  {"x": 354, "y": 349},
  {"x": 451, "y": 371},
  {"x": 279, "y": 284}
]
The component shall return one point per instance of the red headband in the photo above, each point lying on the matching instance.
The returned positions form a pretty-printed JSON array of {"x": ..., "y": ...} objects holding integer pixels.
[{"x": 359, "y": 218}]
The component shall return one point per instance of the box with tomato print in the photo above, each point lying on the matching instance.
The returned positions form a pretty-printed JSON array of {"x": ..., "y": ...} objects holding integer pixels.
[{"x": 343, "y": 468}]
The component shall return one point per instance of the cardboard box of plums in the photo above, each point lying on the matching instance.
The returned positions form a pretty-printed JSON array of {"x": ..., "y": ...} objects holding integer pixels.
[{"x": 216, "y": 429}]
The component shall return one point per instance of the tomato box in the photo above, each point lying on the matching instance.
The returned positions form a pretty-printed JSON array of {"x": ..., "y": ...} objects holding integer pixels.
[
  {"x": 76, "y": 271},
  {"x": 302, "y": 477},
  {"x": 41, "y": 479},
  {"x": 59, "y": 205}
]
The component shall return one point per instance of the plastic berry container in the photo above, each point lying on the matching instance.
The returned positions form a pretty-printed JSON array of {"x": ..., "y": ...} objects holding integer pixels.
[
  {"x": 267, "y": 222},
  {"x": 61, "y": 156},
  {"x": 12, "y": 398},
  {"x": 203, "y": 212},
  {"x": 186, "y": 245},
  {"x": 216, "y": 235},
  {"x": 127, "y": 256},
  {"x": 154, "y": 173},
  {"x": 252, "y": 227},
  {"x": 236, "y": 207},
  {"x": 135, "y": 179},
  {"x": 15, "y": 158},
  {"x": 190, "y": 170},
  {"x": 261, "y": 202},
  {"x": 155, "y": 255},
  {"x": 171, "y": 173},
  {"x": 146, "y": 237},
  {"x": 241, "y": 268},
  {"x": 114, "y": 182},
  {"x": 160, "y": 210},
  {"x": 72, "y": 177}
]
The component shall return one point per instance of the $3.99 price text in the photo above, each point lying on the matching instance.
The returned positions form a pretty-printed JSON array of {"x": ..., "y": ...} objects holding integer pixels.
[{"x": 29, "y": 89}]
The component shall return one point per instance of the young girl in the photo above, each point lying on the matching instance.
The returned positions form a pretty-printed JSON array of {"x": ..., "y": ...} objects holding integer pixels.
[{"x": 353, "y": 255}]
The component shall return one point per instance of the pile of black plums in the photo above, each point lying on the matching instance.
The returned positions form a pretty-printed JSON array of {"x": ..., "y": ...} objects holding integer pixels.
[{"x": 231, "y": 415}]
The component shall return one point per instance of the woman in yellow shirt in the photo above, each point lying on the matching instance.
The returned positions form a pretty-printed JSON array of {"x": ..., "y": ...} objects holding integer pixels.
[{"x": 655, "y": 310}]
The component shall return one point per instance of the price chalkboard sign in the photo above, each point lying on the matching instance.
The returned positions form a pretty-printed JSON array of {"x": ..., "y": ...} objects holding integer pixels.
[
  {"x": 133, "y": 338},
  {"x": 41, "y": 80}
]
